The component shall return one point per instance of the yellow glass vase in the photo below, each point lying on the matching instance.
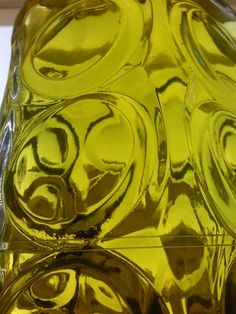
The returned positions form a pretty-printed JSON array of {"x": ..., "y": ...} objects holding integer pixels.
[{"x": 118, "y": 159}]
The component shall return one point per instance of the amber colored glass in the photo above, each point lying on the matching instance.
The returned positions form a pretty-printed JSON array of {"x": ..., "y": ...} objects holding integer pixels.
[{"x": 118, "y": 159}]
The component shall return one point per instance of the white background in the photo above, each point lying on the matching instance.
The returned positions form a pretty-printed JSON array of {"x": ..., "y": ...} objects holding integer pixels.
[
  {"x": 7, "y": 17},
  {"x": 5, "y": 52}
]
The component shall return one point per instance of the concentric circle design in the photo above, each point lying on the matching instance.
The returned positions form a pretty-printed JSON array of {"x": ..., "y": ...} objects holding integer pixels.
[
  {"x": 83, "y": 46},
  {"x": 81, "y": 170},
  {"x": 213, "y": 134},
  {"x": 207, "y": 46},
  {"x": 88, "y": 282}
]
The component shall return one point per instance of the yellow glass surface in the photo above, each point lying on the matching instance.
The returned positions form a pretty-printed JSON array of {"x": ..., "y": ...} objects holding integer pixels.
[{"x": 118, "y": 159}]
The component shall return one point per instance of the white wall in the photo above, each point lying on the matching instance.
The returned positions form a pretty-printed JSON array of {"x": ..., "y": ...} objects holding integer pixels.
[
  {"x": 7, "y": 17},
  {"x": 5, "y": 52}
]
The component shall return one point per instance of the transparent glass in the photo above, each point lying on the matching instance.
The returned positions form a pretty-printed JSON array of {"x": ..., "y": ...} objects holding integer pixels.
[{"x": 118, "y": 159}]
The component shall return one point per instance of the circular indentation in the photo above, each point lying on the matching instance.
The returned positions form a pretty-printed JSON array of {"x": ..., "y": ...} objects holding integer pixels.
[
  {"x": 83, "y": 46},
  {"x": 88, "y": 282},
  {"x": 207, "y": 46},
  {"x": 56, "y": 287},
  {"x": 213, "y": 135},
  {"x": 227, "y": 143},
  {"x": 230, "y": 150},
  {"x": 81, "y": 170},
  {"x": 224, "y": 146},
  {"x": 62, "y": 51},
  {"x": 45, "y": 203}
]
